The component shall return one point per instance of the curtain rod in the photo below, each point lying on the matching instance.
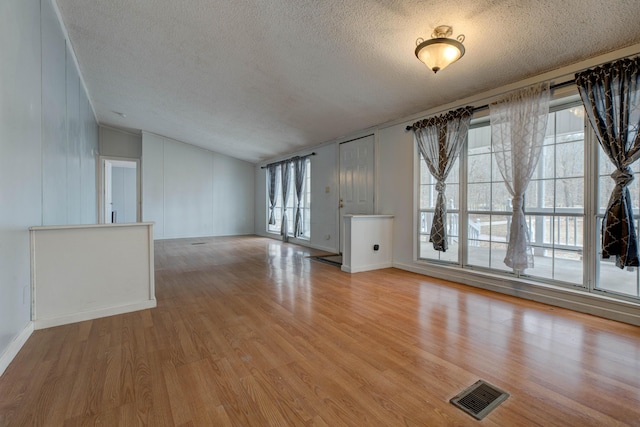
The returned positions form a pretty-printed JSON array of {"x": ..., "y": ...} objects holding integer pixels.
[
  {"x": 286, "y": 160},
  {"x": 486, "y": 106}
]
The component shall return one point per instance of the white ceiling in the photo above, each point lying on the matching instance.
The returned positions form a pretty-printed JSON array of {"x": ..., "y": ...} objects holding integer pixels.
[{"x": 257, "y": 79}]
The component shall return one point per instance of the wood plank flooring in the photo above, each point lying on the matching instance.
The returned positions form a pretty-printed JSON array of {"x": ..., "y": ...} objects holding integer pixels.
[{"x": 251, "y": 332}]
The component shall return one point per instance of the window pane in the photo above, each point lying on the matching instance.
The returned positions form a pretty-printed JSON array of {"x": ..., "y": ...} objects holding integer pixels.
[
  {"x": 479, "y": 197},
  {"x": 479, "y": 168},
  {"x": 498, "y": 252},
  {"x": 605, "y": 188},
  {"x": 499, "y": 227},
  {"x": 452, "y": 194},
  {"x": 570, "y": 159},
  {"x": 612, "y": 278},
  {"x": 428, "y": 195},
  {"x": 570, "y": 193},
  {"x": 568, "y": 266},
  {"x": 501, "y": 199},
  {"x": 478, "y": 253}
]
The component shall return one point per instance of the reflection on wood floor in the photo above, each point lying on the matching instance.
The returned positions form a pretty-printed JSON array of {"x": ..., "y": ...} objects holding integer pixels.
[{"x": 250, "y": 332}]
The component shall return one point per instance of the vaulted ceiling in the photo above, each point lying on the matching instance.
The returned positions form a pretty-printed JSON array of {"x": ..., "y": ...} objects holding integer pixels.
[{"x": 257, "y": 79}]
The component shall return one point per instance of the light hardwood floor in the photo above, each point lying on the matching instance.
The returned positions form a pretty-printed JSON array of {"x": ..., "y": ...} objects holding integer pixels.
[{"x": 250, "y": 332}]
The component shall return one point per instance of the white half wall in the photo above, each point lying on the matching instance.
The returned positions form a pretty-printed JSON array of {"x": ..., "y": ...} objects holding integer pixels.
[
  {"x": 84, "y": 272},
  {"x": 192, "y": 192}
]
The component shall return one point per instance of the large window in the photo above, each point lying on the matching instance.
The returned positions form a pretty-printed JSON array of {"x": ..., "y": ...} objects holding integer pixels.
[
  {"x": 479, "y": 208},
  {"x": 292, "y": 203}
]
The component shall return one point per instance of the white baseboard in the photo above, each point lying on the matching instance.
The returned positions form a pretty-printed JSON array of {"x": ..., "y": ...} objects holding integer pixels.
[
  {"x": 360, "y": 268},
  {"x": 300, "y": 242},
  {"x": 577, "y": 300},
  {"x": 93, "y": 314},
  {"x": 15, "y": 346}
]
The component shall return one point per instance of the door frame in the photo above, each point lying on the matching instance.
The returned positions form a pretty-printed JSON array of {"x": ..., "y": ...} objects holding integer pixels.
[{"x": 102, "y": 187}]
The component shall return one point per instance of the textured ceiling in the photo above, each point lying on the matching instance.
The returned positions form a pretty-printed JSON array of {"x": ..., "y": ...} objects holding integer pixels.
[{"x": 259, "y": 79}]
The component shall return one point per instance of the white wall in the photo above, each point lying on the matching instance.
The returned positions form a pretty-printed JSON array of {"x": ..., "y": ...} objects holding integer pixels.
[
  {"x": 324, "y": 205},
  {"x": 191, "y": 192},
  {"x": 48, "y": 140}
]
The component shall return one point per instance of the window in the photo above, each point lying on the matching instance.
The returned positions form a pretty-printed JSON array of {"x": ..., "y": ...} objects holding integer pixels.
[
  {"x": 428, "y": 196},
  {"x": 305, "y": 206},
  {"x": 610, "y": 277},
  {"x": 564, "y": 207}
]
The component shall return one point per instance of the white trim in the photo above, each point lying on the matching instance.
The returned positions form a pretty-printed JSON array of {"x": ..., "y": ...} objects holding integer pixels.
[
  {"x": 360, "y": 268},
  {"x": 14, "y": 347},
  {"x": 62, "y": 227},
  {"x": 572, "y": 299},
  {"x": 93, "y": 314}
]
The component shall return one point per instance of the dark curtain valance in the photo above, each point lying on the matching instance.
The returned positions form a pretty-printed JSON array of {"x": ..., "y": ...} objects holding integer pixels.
[
  {"x": 443, "y": 118},
  {"x": 290, "y": 159},
  {"x": 610, "y": 94}
]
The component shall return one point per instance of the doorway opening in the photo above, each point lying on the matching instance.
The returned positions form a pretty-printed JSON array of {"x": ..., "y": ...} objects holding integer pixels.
[{"x": 120, "y": 201}]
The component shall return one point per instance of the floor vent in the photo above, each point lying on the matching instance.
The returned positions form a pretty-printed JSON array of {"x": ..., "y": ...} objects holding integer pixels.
[{"x": 480, "y": 399}]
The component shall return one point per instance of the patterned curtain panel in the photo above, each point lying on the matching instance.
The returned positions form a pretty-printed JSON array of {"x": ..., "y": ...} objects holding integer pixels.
[
  {"x": 285, "y": 173},
  {"x": 300, "y": 166},
  {"x": 272, "y": 171},
  {"x": 611, "y": 97},
  {"x": 518, "y": 127},
  {"x": 440, "y": 140}
]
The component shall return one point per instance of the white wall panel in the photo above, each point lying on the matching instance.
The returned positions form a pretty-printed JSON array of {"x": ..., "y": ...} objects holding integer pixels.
[
  {"x": 188, "y": 191},
  {"x": 191, "y": 192},
  {"x": 89, "y": 147},
  {"x": 54, "y": 123},
  {"x": 233, "y": 196},
  {"x": 397, "y": 188},
  {"x": 74, "y": 153},
  {"x": 20, "y": 171},
  {"x": 153, "y": 182}
]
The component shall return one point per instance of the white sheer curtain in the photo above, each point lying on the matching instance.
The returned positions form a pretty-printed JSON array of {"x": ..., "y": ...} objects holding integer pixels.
[
  {"x": 518, "y": 127},
  {"x": 285, "y": 174},
  {"x": 272, "y": 171},
  {"x": 300, "y": 166}
]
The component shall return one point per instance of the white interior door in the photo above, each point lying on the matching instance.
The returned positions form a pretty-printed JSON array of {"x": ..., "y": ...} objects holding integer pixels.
[
  {"x": 121, "y": 191},
  {"x": 356, "y": 179}
]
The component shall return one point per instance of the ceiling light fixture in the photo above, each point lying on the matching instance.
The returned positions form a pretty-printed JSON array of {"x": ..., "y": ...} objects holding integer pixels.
[{"x": 440, "y": 51}]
